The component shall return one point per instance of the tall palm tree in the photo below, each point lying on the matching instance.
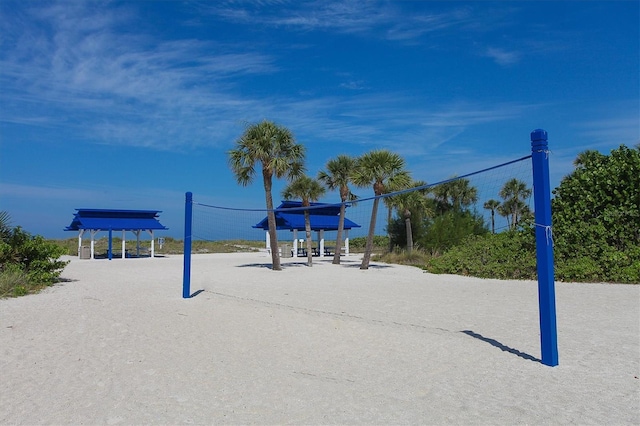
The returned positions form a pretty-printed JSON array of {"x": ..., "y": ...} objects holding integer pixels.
[
  {"x": 513, "y": 193},
  {"x": 274, "y": 148},
  {"x": 308, "y": 190},
  {"x": 377, "y": 168},
  {"x": 492, "y": 205},
  {"x": 338, "y": 176},
  {"x": 407, "y": 202}
]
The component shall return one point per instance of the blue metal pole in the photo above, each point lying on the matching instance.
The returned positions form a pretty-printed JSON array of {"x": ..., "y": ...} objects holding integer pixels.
[
  {"x": 110, "y": 251},
  {"x": 186, "y": 270},
  {"x": 544, "y": 247}
]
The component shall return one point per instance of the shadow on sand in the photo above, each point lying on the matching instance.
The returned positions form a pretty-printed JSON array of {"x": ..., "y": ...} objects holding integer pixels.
[
  {"x": 500, "y": 346},
  {"x": 194, "y": 294},
  {"x": 286, "y": 265}
]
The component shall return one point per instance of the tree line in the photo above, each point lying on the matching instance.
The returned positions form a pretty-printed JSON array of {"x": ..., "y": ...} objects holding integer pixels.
[
  {"x": 595, "y": 210},
  {"x": 271, "y": 149}
]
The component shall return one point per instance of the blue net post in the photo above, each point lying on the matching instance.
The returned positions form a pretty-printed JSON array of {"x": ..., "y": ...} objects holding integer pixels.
[
  {"x": 110, "y": 248},
  {"x": 544, "y": 247},
  {"x": 186, "y": 271}
]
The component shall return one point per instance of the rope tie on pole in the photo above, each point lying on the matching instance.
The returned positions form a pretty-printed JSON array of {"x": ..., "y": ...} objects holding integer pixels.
[
  {"x": 548, "y": 231},
  {"x": 546, "y": 153}
]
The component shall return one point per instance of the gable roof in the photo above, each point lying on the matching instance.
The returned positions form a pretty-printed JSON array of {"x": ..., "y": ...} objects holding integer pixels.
[
  {"x": 117, "y": 220},
  {"x": 322, "y": 217}
]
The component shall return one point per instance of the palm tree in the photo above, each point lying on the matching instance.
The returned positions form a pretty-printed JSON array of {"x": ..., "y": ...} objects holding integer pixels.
[
  {"x": 378, "y": 168},
  {"x": 338, "y": 176},
  {"x": 274, "y": 147},
  {"x": 587, "y": 158},
  {"x": 514, "y": 192},
  {"x": 492, "y": 205},
  {"x": 5, "y": 226},
  {"x": 455, "y": 194},
  {"x": 406, "y": 202},
  {"x": 308, "y": 190}
]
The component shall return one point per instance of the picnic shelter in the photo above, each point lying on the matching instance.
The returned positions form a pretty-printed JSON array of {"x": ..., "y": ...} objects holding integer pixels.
[
  {"x": 96, "y": 220},
  {"x": 323, "y": 217}
]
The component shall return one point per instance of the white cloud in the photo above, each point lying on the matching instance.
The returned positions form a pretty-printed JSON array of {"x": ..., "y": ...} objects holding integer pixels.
[
  {"x": 612, "y": 131},
  {"x": 71, "y": 66},
  {"x": 502, "y": 56},
  {"x": 379, "y": 19}
]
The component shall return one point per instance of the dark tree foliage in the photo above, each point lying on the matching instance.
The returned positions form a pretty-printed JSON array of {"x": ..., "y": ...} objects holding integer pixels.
[
  {"x": 450, "y": 229},
  {"x": 398, "y": 232},
  {"x": 596, "y": 218}
]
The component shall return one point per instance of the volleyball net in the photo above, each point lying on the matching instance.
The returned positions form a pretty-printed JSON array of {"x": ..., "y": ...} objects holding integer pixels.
[
  {"x": 498, "y": 198},
  {"x": 473, "y": 192}
]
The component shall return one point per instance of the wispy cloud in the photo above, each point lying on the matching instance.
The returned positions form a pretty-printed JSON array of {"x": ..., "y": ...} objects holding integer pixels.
[
  {"x": 396, "y": 122},
  {"x": 608, "y": 131},
  {"x": 386, "y": 20},
  {"x": 503, "y": 57},
  {"x": 117, "y": 87}
]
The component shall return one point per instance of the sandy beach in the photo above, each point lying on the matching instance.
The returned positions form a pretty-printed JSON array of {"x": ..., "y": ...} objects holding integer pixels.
[{"x": 117, "y": 344}]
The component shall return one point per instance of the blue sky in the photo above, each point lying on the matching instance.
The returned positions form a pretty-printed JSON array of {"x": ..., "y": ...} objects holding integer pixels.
[{"x": 128, "y": 105}]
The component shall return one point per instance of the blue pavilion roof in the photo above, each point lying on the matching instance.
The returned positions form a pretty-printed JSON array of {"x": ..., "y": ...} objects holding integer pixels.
[
  {"x": 322, "y": 217},
  {"x": 117, "y": 220}
]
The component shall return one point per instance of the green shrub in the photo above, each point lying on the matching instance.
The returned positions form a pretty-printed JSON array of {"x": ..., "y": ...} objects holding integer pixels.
[
  {"x": 28, "y": 263},
  {"x": 12, "y": 281},
  {"x": 578, "y": 269},
  {"x": 508, "y": 255},
  {"x": 596, "y": 212},
  {"x": 402, "y": 257},
  {"x": 380, "y": 243},
  {"x": 450, "y": 229}
]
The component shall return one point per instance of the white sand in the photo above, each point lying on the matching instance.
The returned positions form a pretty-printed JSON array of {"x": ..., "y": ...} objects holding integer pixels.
[{"x": 323, "y": 345}]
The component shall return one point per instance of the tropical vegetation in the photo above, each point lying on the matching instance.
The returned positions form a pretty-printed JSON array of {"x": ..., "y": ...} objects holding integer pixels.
[
  {"x": 381, "y": 169},
  {"x": 27, "y": 263},
  {"x": 308, "y": 190},
  {"x": 272, "y": 147},
  {"x": 338, "y": 175},
  {"x": 596, "y": 218},
  {"x": 595, "y": 227},
  {"x": 596, "y": 212}
]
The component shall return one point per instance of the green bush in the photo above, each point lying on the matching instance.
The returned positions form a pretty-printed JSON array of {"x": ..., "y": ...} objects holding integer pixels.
[
  {"x": 508, "y": 255},
  {"x": 28, "y": 263},
  {"x": 13, "y": 281},
  {"x": 450, "y": 229},
  {"x": 379, "y": 243},
  {"x": 596, "y": 217},
  {"x": 402, "y": 257}
]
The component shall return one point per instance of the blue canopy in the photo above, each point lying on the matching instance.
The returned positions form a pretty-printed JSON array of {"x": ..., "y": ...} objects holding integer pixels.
[
  {"x": 116, "y": 220},
  {"x": 322, "y": 217}
]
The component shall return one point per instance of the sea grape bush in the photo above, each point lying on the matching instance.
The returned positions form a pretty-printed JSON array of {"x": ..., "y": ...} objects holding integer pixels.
[
  {"x": 27, "y": 263},
  {"x": 596, "y": 218}
]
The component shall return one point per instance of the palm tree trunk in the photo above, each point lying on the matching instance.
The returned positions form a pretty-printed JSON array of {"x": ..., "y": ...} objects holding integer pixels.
[
  {"x": 336, "y": 255},
  {"x": 307, "y": 228},
  {"x": 271, "y": 220},
  {"x": 389, "y": 213},
  {"x": 372, "y": 227},
  {"x": 493, "y": 221},
  {"x": 407, "y": 224}
]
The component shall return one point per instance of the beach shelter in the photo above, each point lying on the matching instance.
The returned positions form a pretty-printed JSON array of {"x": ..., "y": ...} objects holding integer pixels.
[
  {"x": 96, "y": 220},
  {"x": 323, "y": 217}
]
